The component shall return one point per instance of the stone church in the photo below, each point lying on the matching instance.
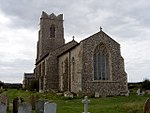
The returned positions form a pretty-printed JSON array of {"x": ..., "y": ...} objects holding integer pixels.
[{"x": 94, "y": 65}]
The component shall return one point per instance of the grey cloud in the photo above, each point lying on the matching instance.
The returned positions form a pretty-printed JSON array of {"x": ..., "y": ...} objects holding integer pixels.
[
  {"x": 125, "y": 20},
  {"x": 11, "y": 77},
  {"x": 25, "y": 13},
  {"x": 136, "y": 72},
  {"x": 13, "y": 71},
  {"x": 17, "y": 64}
]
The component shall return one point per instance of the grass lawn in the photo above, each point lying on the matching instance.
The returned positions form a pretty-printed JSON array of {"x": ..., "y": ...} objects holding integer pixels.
[{"x": 119, "y": 104}]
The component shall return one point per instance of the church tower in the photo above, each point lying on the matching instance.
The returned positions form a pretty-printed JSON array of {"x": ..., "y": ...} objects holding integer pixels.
[{"x": 51, "y": 34}]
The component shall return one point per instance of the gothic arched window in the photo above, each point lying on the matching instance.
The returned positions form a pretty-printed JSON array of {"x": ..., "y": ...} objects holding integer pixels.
[
  {"x": 101, "y": 63},
  {"x": 52, "y": 31}
]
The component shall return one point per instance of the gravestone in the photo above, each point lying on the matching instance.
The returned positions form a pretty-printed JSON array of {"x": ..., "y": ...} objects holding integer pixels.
[
  {"x": 128, "y": 93},
  {"x": 49, "y": 107},
  {"x": 85, "y": 102},
  {"x": 143, "y": 93},
  {"x": 4, "y": 100},
  {"x": 3, "y": 108},
  {"x": 33, "y": 99},
  {"x": 24, "y": 108},
  {"x": 16, "y": 103},
  {"x": 39, "y": 106},
  {"x": 147, "y": 106},
  {"x": 97, "y": 95},
  {"x": 68, "y": 94},
  {"x": 138, "y": 92},
  {"x": 1, "y": 87}
]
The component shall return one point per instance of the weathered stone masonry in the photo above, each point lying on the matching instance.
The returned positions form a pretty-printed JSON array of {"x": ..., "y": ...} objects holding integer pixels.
[
  {"x": 70, "y": 67},
  {"x": 118, "y": 81}
]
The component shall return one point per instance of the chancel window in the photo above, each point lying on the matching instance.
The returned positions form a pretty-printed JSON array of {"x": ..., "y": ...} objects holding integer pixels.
[
  {"x": 101, "y": 63},
  {"x": 52, "y": 31}
]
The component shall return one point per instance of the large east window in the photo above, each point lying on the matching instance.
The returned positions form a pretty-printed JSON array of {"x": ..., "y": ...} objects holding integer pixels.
[{"x": 101, "y": 63}]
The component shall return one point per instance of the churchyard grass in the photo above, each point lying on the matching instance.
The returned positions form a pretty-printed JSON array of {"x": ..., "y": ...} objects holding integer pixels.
[{"x": 118, "y": 104}]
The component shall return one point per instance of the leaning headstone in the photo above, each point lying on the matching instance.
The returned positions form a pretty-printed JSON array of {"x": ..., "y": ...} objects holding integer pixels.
[
  {"x": 24, "y": 108},
  {"x": 85, "y": 102},
  {"x": 16, "y": 103},
  {"x": 147, "y": 106},
  {"x": 3, "y": 108},
  {"x": 39, "y": 106},
  {"x": 49, "y": 107},
  {"x": 4, "y": 100},
  {"x": 97, "y": 95},
  {"x": 138, "y": 92}
]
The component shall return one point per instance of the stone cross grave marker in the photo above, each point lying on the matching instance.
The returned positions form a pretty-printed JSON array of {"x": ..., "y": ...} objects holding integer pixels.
[
  {"x": 85, "y": 102},
  {"x": 49, "y": 107},
  {"x": 3, "y": 108},
  {"x": 24, "y": 108},
  {"x": 147, "y": 106}
]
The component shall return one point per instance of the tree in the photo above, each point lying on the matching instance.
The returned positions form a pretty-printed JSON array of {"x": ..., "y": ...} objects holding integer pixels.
[
  {"x": 146, "y": 84},
  {"x": 1, "y": 83}
]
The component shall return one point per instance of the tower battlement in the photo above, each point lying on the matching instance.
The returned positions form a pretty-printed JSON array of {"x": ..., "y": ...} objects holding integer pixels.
[{"x": 52, "y": 16}]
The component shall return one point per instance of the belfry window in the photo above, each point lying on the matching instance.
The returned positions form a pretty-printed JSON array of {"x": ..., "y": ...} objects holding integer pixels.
[
  {"x": 52, "y": 31},
  {"x": 101, "y": 63}
]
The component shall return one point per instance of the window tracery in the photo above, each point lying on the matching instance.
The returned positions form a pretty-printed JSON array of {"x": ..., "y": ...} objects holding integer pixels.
[{"x": 101, "y": 63}]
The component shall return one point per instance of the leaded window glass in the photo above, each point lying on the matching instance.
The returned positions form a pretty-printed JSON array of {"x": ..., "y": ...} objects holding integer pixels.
[{"x": 101, "y": 63}]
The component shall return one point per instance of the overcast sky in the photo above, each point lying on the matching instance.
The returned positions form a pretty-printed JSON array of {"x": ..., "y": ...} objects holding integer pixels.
[{"x": 126, "y": 21}]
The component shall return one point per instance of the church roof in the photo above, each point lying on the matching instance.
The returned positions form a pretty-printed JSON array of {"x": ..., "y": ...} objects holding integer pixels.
[
  {"x": 61, "y": 50},
  {"x": 70, "y": 45},
  {"x": 29, "y": 75},
  {"x": 38, "y": 61},
  {"x": 67, "y": 47},
  {"x": 102, "y": 34}
]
